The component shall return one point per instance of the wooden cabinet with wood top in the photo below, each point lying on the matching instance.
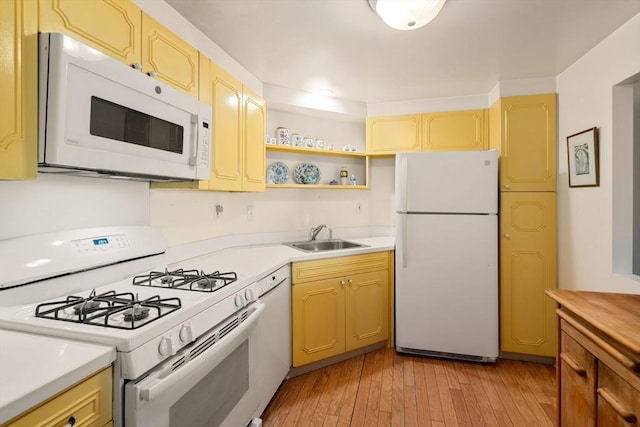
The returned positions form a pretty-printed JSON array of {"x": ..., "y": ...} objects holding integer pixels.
[
  {"x": 598, "y": 358},
  {"x": 88, "y": 403},
  {"x": 19, "y": 89},
  {"x": 339, "y": 304}
]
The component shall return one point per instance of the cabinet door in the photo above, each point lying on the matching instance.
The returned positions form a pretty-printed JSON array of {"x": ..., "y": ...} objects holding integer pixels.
[
  {"x": 577, "y": 384},
  {"x": 317, "y": 320},
  {"x": 172, "y": 60},
  {"x": 527, "y": 143},
  {"x": 110, "y": 26},
  {"x": 367, "y": 309},
  {"x": 527, "y": 268},
  {"x": 454, "y": 130},
  {"x": 226, "y": 135},
  {"x": 255, "y": 125},
  {"x": 88, "y": 402},
  {"x": 618, "y": 401},
  {"x": 388, "y": 135},
  {"x": 19, "y": 88}
]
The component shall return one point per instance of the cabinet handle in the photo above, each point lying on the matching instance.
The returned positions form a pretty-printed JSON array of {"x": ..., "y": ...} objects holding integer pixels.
[
  {"x": 71, "y": 422},
  {"x": 342, "y": 282},
  {"x": 507, "y": 236},
  {"x": 507, "y": 186},
  {"x": 152, "y": 74},
  {"x": 624, "y": 413},
  {"x": 350, "y": 282},
  {"x": 137, "y": 66},
  {"x": 573, "y": 364},
  {"x": 628, "y": 363}
]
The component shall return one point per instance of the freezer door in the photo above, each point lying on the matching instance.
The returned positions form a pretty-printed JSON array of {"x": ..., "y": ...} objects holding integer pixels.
[
  {"x": 447, "y": 182},
  {"x": 447, "y": 284}
]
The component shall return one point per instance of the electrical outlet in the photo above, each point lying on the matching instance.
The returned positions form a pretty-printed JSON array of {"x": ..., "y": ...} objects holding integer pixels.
[
  {"x": 250, "y": 212},
  {"x": 358, "y": 208}
]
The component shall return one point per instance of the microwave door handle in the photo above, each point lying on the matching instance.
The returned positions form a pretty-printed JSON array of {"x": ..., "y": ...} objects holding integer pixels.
[
  {"x": 211, "y": 357},
  {"x": 193, "y": 158}
]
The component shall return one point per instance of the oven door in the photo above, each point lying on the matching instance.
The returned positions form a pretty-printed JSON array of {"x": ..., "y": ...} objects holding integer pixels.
[{"x": 213, "y": 382}]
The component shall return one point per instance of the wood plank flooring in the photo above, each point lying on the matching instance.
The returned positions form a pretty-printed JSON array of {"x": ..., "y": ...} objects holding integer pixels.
[{"x": 385, "y": 388}]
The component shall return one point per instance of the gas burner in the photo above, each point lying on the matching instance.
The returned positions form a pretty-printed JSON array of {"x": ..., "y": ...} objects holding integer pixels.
[
  {"x": 121, "y": 311},
  {"x": 189, "y": 280},
  {"x": 86, "y": 307},
  {"x": 137, "y": 312}
]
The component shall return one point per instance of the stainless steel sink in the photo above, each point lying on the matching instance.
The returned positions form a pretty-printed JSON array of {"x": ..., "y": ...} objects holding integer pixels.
[{"x": 324, "y": 245}]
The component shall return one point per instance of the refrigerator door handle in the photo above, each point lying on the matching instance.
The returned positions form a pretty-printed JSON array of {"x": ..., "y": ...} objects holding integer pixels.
[
  {"x": 404, "y": 173},
  {"x": 403, "y": 244}
]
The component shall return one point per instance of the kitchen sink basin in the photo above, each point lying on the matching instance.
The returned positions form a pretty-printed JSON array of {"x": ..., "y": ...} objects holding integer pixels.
[{"x": 324, "y": 245}]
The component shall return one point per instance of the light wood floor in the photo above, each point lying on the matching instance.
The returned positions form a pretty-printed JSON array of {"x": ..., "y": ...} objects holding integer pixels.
[{"x": 385, "y": 388}]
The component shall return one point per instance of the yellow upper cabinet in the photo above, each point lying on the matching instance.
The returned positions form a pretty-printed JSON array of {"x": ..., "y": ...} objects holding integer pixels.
[
  {"x": 168, "y": 57},
  {"x": 121, "y": 30},
  {"x": 255, "y": 125},
  {"x": 111, "y": 26},
  {"x": 19, "y": 89},
  {"x": 455, "y": 130},
  {"x": 238, "y": 132},
  {"x": 523, "y": 130},
  {"x": 388, "y": 135}
]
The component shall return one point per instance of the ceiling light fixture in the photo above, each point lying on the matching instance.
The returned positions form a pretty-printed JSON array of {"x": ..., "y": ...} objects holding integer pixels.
[{"x": 406, "y": 14}]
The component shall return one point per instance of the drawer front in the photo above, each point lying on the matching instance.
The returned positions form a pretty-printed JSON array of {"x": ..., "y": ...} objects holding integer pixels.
[
  {"x": 577, "y": 383},
  {"x": 328, "y": 268},
  {"x": 618, "y": 401},
  {"x": 88, "y": 402}
]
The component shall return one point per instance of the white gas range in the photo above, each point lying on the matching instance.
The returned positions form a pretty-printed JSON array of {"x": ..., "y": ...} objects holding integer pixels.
[{"x": 176, "y": 328}]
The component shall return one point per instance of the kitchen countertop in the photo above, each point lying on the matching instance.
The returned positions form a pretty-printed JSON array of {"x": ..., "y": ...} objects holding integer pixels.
[{"x": 34, "y": 368}]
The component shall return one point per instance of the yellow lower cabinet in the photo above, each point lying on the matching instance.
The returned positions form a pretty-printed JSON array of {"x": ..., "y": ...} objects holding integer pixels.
[
  {"x": 317, "y": 317},
  {"x": 527, "y": 268},
  {"x": 88, "y": 403},
  {"x": 344, "y": 312}
]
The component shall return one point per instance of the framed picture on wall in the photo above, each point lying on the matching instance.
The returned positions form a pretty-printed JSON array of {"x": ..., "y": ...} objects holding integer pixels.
[{"x": 582, "y": 152}]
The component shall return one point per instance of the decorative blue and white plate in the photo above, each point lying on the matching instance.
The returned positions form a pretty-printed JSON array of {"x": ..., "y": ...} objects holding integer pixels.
[
  {"x": 306, "y": 173},
  {"x": 277, "y": 173}
]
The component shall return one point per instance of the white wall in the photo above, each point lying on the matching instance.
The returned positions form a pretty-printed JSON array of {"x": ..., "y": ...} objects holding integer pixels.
[{"x": 585, "y": 214}]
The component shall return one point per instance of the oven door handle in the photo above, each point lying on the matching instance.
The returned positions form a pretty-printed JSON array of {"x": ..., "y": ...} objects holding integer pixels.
[{"x": 193, "y": 370}]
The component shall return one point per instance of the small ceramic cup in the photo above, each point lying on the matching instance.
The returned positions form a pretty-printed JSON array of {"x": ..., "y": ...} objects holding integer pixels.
[
  {"x": 297, "y": 140},
  {"x": 309, "y": 142},
  {"x": 320, "y": 143},
  {"x": 284, "y": 136}
]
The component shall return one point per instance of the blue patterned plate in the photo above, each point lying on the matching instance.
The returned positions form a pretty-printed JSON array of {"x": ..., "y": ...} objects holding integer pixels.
[
  {"x": 306, "y": 173},
  {"x": 277, "y": 173}
]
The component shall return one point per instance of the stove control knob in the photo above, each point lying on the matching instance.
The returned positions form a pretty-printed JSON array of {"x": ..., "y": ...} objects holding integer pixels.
[
  {"x": 248, "y": 295},
  {"x": 166, "y": 346},
  {"x": 186, "y": 335},
  {"x": 239, "y": 301}
]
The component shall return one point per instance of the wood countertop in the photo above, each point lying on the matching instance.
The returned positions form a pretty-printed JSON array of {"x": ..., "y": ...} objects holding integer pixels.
[{"x": 615, "y": 317}]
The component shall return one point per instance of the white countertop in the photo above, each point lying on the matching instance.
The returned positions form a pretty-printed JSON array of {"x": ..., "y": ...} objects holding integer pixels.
[{"x": 34, "y": 368}]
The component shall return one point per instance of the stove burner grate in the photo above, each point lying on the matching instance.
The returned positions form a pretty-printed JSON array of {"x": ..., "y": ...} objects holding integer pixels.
[
  {"x": 190, "y": 280},
  {"x": 109, "y": 309}
]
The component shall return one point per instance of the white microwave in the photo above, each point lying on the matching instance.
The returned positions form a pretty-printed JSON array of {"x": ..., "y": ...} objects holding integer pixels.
[{"x": 99, "y": 116}]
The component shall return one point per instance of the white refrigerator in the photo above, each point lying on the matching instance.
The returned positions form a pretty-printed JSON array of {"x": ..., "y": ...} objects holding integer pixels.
[{"x": 446, "y": 290}]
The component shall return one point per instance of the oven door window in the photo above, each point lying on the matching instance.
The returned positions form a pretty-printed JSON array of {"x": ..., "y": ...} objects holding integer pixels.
[
  {"x": 210, "y": 401},
  {"x": 113, "y": 121}
]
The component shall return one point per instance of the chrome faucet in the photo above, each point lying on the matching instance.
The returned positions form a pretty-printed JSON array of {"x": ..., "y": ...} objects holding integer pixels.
[{"x": 315, "y": 231}]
